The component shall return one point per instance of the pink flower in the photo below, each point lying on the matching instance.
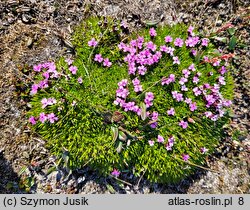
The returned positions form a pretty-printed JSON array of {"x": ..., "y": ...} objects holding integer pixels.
[
  {"x": 186, "y": 73},
  {"x": 203, "y": 150},
  {"x": 185, "y": 157},
  {"x": 115, "y": 173},
  {"x": 151, "y": 143},
  {"x": 46, "y": 75},
  {"x": 52, "y": 117},
  {"x": 188, "y": 101},
  {"x": 160, "y": 139},
  {"x": 170, "y": 50},
  {"x": 92, "y": 42},
  {"x": 98, "y": 58},
  {"x": 183, "y": 80},
  {"x": 184, "y": 88},
  {"x": 183, "y": 124},
  {"x": 208, "y": 114},
  {"x": 42, "y": 117},
  {"x": 32, "y": 120},
  {"x": 191, "y": 67},
  {"x": 151, "y": 46},
  {"x": 153, "y": 125},
  {"x": 195, "y": 80},
  {"x": 177, "y": 96},
  {"x": 152, "y": 32},
  {"x": 73, "y": 69},
  {"x": 205, "y": 58},
  {"x": 190, "y": 30},
  {"x": 171, "y": 111},
  {"x": 196, "y": 91},
  {"x": 43, "y": 84},
  {"x": 194, "y": 52},
  {"x": 216, "y": 63},
  {"x": 168, "y": 39},
  {"x": 44, "y": 102},
  {"x": 222, "y": 80},
  {"x": 123, "y": 83},
  {"x": 178, "y": 42},
  {"x": 106, "y": 62},
  {"x": 227, "y": 103},
  {"x": 37, "y": 68},
  {"x": 142, "y": 70},
  {"x": 163, "y": 48},
  {"x": 79, "y": 80},
  {"x": 176, "y": 60},
  {"x": 155, "y": 115},
  {"x": 204, "y": 42},
  {"x": 69, "y": 61},
  {"x": 34, "y": 89},
  {"x": 223, "y": 70},
  {"x": 192, "y": 106}
]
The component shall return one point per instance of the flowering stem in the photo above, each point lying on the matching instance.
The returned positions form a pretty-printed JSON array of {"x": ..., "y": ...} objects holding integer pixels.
[
  {"x": 149, "y": 88},
  {"x": 90, "y": 55}
]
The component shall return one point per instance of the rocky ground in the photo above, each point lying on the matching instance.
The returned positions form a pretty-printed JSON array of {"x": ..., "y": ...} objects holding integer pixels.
[{"x": 32, "y": 31}]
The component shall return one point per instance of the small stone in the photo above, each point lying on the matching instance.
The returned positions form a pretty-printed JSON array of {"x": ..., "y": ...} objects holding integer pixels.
[
  {"x": 26, "y": 18},
  {"x": 218, "y": 22}
]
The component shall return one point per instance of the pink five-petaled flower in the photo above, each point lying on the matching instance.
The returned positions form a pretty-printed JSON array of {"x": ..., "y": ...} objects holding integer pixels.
[
  {"x": 79, "y": 80},
  {"x": 92, "y": 42},
  {"x": 37, "y": 68},
  {"x": 153, "y": 125},
  {"x": 115, "y": 173},
  {"x": 170, "y": 50},
  {"x": 151, "y": 143},
  {"x": 42, "y": 117},
  {"x": 98, "y": 58},
  {"x": 52, "y": 117},
  {"x": 184, "y": 88},
  {"x": 203, "y": 150},
  {"x": 195, "y": 80},
  {"x": 44, "y": 102},
  {"x": 32, "y": 120},
  {"x": 69, "y": 61},
  {"x": 171, "y": 111},
  {"x": 155, "y": 115},
  {"x": 106, "y": 62},
  {"x": 34, "y": 89},
  {"x": 160, "y": 139},
  {"x": 176, "y": 60},
  {"x": 148, "y": 99},
  {"x": 204, "y": 42},
  {"x": 196, "y": 91},
  {"x": 192, "y": 106},
  {"x": 190, "y": 30},
  {"x": 168, "y": 39},
  {"x": 188, "y": 101},
  {"x": 223, "y": 70},
  {"x": 178, "y": 42},
  {"x": 183, "y": 124},
  {"x": 191, "y": 67},
  {"x": 177, "y": 96},
  {"x": 152, "y": 32},
  {"x": 221, "y": 80},
  {"x": 194, "y": 52},
  {"x": 183, "y": 80},
  {"x": 185, "y": 157},
  {"x": 186, "y": 73},
  {"x": 73, "y": 69}
]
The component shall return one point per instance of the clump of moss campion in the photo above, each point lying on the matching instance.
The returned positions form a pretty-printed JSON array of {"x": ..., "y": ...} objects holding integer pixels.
[{"x": 152, "y": 103}]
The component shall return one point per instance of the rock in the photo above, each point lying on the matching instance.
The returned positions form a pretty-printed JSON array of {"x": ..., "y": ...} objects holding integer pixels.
[{"x": 218, "y": 23}]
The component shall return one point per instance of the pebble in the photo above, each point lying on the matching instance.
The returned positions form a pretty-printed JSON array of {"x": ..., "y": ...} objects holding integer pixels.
[{"x": 218, "y": 23}]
